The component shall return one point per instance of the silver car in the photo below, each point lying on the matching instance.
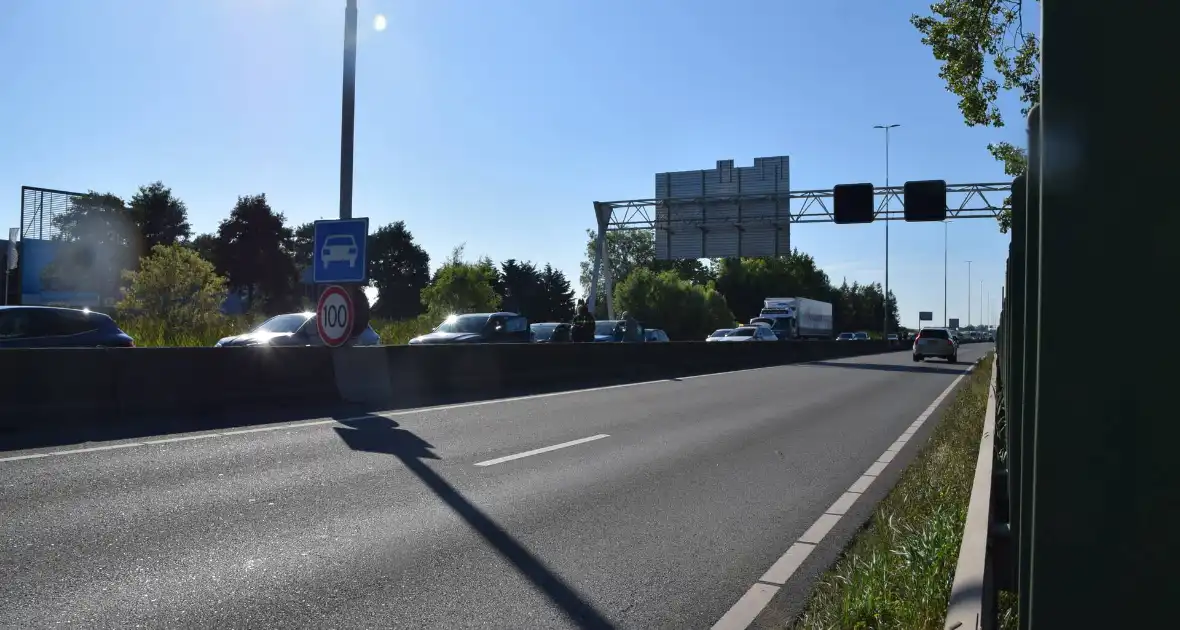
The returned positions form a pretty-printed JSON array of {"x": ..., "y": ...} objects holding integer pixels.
[
  {"x": 291, "y": 329},
  {"x": 936, "y": 342}
]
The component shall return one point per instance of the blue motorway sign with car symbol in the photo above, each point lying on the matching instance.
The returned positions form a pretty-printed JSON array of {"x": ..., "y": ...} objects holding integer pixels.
[{"x": 340, "y": 253}]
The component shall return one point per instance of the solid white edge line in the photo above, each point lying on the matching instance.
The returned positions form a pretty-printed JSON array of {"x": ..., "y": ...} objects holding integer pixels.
[
  {"x": 544, "y": 449},
  {"x": 758, "y": 597}
]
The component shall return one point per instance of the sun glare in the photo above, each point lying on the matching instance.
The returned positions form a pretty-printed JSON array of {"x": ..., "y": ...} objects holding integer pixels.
[{"x": 379, "y": 23}]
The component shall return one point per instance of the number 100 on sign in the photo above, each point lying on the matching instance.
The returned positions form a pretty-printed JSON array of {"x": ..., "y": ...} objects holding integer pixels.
[{"x": 334, "y": 316}]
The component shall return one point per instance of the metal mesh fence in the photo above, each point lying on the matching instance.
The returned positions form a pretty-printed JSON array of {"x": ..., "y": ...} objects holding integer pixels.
[{"x": 38, "y": 209}]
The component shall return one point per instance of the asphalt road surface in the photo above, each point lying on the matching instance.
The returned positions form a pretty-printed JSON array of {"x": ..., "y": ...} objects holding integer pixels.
[{"x": 661, "y": 507}]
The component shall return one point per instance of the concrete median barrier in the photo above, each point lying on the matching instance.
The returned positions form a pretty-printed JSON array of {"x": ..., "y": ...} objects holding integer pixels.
[{"x": 47, "y": 388}]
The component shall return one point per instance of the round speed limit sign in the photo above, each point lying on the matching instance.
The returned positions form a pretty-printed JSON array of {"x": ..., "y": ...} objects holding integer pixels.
[{"x": 334, "y": 316}]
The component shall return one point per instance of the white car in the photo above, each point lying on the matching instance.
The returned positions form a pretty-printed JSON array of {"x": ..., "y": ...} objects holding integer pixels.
[
  {"x": 339, "y": 248},
  {"x": 751, "y": 333},
  {"x": 719, "y": 334}
]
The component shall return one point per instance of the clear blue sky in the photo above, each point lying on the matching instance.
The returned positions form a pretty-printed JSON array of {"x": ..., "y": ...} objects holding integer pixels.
[{"x": 496, "y": 124}]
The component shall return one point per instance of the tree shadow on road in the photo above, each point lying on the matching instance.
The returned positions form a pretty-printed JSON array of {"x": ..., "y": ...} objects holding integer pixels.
[
  {"x": 921, "y": 368},
  {"x": 378, "y": 434}
]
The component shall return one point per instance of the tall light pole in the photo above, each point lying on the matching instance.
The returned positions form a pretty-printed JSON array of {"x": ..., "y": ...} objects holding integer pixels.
[
  {"x": 981, "y": 302},
  {"x": 348, "y": 110},
  {"x": 885, "y": 299},
  {"x": 968, "y": 292},
  {"x": 945, "y": 318}
]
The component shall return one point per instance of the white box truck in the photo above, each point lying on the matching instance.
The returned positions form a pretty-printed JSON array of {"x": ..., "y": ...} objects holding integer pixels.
[{"x": 793, "y": 318}]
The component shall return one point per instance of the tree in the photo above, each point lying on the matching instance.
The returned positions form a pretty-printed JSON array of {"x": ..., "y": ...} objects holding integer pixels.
[
  {"x": 206, "y": 246},
  {"x": 162, "y": 219},
  {"x": 967, "y": 35},
  {"x": 747, "y": 282},
  {"x": 522, "y": 290},
  {"x": 303, "y": 244},
  {"x": 629, "y": 250},
  {"x": 253, "y": 253},
  {"x": 99, "y": 242},
  {"x": 663, "y": 300},
  {"x": 175, "y": 286},
  {"x": 861, "y": 308},
  {"x": 399, "y": 268},
  {"x": 461, "y": 287},
  {"x": 558, "y": 295}
]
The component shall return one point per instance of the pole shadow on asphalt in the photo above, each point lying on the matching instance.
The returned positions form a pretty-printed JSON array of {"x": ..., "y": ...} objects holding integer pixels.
[{"x": 378, "y": 434}]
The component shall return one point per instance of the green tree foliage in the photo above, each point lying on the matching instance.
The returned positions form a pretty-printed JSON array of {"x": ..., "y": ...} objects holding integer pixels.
[
  {"x": 629, "y": 250},
  {"x": 253, "y": 252},
  {"x": 100, "y": 241},
  {"x": 521, "y": 290},
  {"x": 303, "y": 244},
  {"x": 558, "y": 295},
  {"x": 747, "y": 282},
  {"x": 966, "y": 36},
  {"x": 399, "y": 268},
  {"x": 462, "y": 287},
  {"x": 664, "y": 300},
  {"x": 175, "y": 287},
  {"x": 860, "y": 307},
  {"x": 162, "y": 219}
]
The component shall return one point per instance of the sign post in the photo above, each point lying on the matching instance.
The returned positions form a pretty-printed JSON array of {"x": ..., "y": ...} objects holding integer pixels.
[
  {"x": 954, "y": 323},
  {"x": 334, "y": 316},
  {"x": 925, "y": 316}
]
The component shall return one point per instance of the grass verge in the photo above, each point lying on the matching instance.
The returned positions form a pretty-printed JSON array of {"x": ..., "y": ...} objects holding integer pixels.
[{"x": 897, "y": 572}]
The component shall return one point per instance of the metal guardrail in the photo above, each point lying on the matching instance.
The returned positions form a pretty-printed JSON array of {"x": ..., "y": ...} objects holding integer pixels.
[{"x": 972, "y": 591}]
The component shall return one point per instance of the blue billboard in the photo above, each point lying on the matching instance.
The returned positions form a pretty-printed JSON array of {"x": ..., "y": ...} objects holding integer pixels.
[{"x": 59, "y": 273}]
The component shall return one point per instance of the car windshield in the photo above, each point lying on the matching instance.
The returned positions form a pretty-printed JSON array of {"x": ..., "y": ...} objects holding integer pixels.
[
  {"x": 543, "y": 331},
  {"x": 743, "y": 332},
  {"x": 721, "y": 332},
  {"x": 935, "y": 333},
  {"x": 282, "y": 323},
  {"x": 845, "y": 336},
  {"x": 463, "y": 324}
]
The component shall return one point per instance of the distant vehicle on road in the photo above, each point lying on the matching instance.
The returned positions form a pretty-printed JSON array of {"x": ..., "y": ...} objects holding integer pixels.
[
  {"x": 611, "y": 330},
  {"x": 719, "y": 334},
  {"x": 291, "y": 329},
  {"x": 550, "y": 332},
  {"x": 796, "y": 318},
  {"x": 860, "y": 336},
  {"x": 655, "y": 335},
  {"x": 893, "y": 339},
  {"x": 499, "y": 327},
  {"x": 55, "y": 327},
  {"x": 846, "y": 336},
  {"x": 936, "y": 342},
  {"x": 339, "y": 248},
  {"x": 750, "y": 333}
]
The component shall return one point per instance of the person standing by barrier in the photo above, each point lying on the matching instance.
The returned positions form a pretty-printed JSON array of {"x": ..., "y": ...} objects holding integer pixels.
[
  {"x": 631, "y": 331},
  {"x": 582, "y": 328}
]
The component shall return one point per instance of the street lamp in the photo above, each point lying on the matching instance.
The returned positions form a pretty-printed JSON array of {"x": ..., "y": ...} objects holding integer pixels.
[
  {"x": 887, "y": 196},
  {"x": 945, "y": 321},
  {"x": 968, "y": 292},
  {"x": 348, "y": 110}
]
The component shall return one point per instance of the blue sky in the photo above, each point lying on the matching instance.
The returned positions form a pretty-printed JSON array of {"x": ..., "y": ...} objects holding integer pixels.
[{"x": 497, "y": 123}]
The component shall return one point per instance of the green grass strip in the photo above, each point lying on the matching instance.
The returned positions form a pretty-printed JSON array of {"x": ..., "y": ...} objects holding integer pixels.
[{"x": 897, "y": 572}]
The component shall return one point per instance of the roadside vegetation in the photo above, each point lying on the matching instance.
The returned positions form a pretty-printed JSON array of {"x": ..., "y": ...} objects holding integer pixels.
[{"x": 897, "y": 572}]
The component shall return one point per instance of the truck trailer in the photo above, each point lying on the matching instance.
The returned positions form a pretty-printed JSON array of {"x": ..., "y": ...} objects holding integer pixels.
[{"x": 793, "y": 318}]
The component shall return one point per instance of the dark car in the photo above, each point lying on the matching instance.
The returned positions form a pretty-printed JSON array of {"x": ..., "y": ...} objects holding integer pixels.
[
  {"x": 555, "y": 332},
  {"x": 54, "y": 327},
  {"x": 291, "y": 329},
  {"x": 611, "y": 330},
  {"x": 478, "y": 328}
]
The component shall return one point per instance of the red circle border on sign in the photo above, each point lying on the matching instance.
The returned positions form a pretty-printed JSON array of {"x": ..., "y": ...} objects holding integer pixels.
[{"x": 319, "y": 321}]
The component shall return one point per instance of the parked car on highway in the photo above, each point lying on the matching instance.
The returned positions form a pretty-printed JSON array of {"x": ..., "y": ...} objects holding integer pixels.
[
  {"x": 719, "y": 334},
  {"x": 860, "y": 336},
  {"x": 846, "y": 336},
  {"x": 556, "y": 332},
  {"x": 291, "y": 329},
  {"x": 936, "y": 342},
  {"x": 893, "y": 339},
  {"x": 611, "y": 330},
  {"x": 655, "y": 335},
  {"x": 750, "y": 333},
  {"x": 500, "y": 327},
  {"x": 55, "y": 327}
]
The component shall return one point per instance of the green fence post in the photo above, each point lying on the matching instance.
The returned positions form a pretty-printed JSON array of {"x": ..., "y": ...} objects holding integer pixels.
[{"x": 1103, "y": 532}]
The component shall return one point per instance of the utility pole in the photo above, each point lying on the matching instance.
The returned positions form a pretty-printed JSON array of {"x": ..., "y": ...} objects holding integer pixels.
[
  {"x": 968, "y": 292},
  {"x": 348, "y": 110},
  {"x": 945, "y": 317},
  {"x": 885, "y": 299}
]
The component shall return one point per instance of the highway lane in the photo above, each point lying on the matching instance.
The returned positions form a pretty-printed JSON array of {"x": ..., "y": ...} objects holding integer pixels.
[{"x": 690, "y": 490}]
